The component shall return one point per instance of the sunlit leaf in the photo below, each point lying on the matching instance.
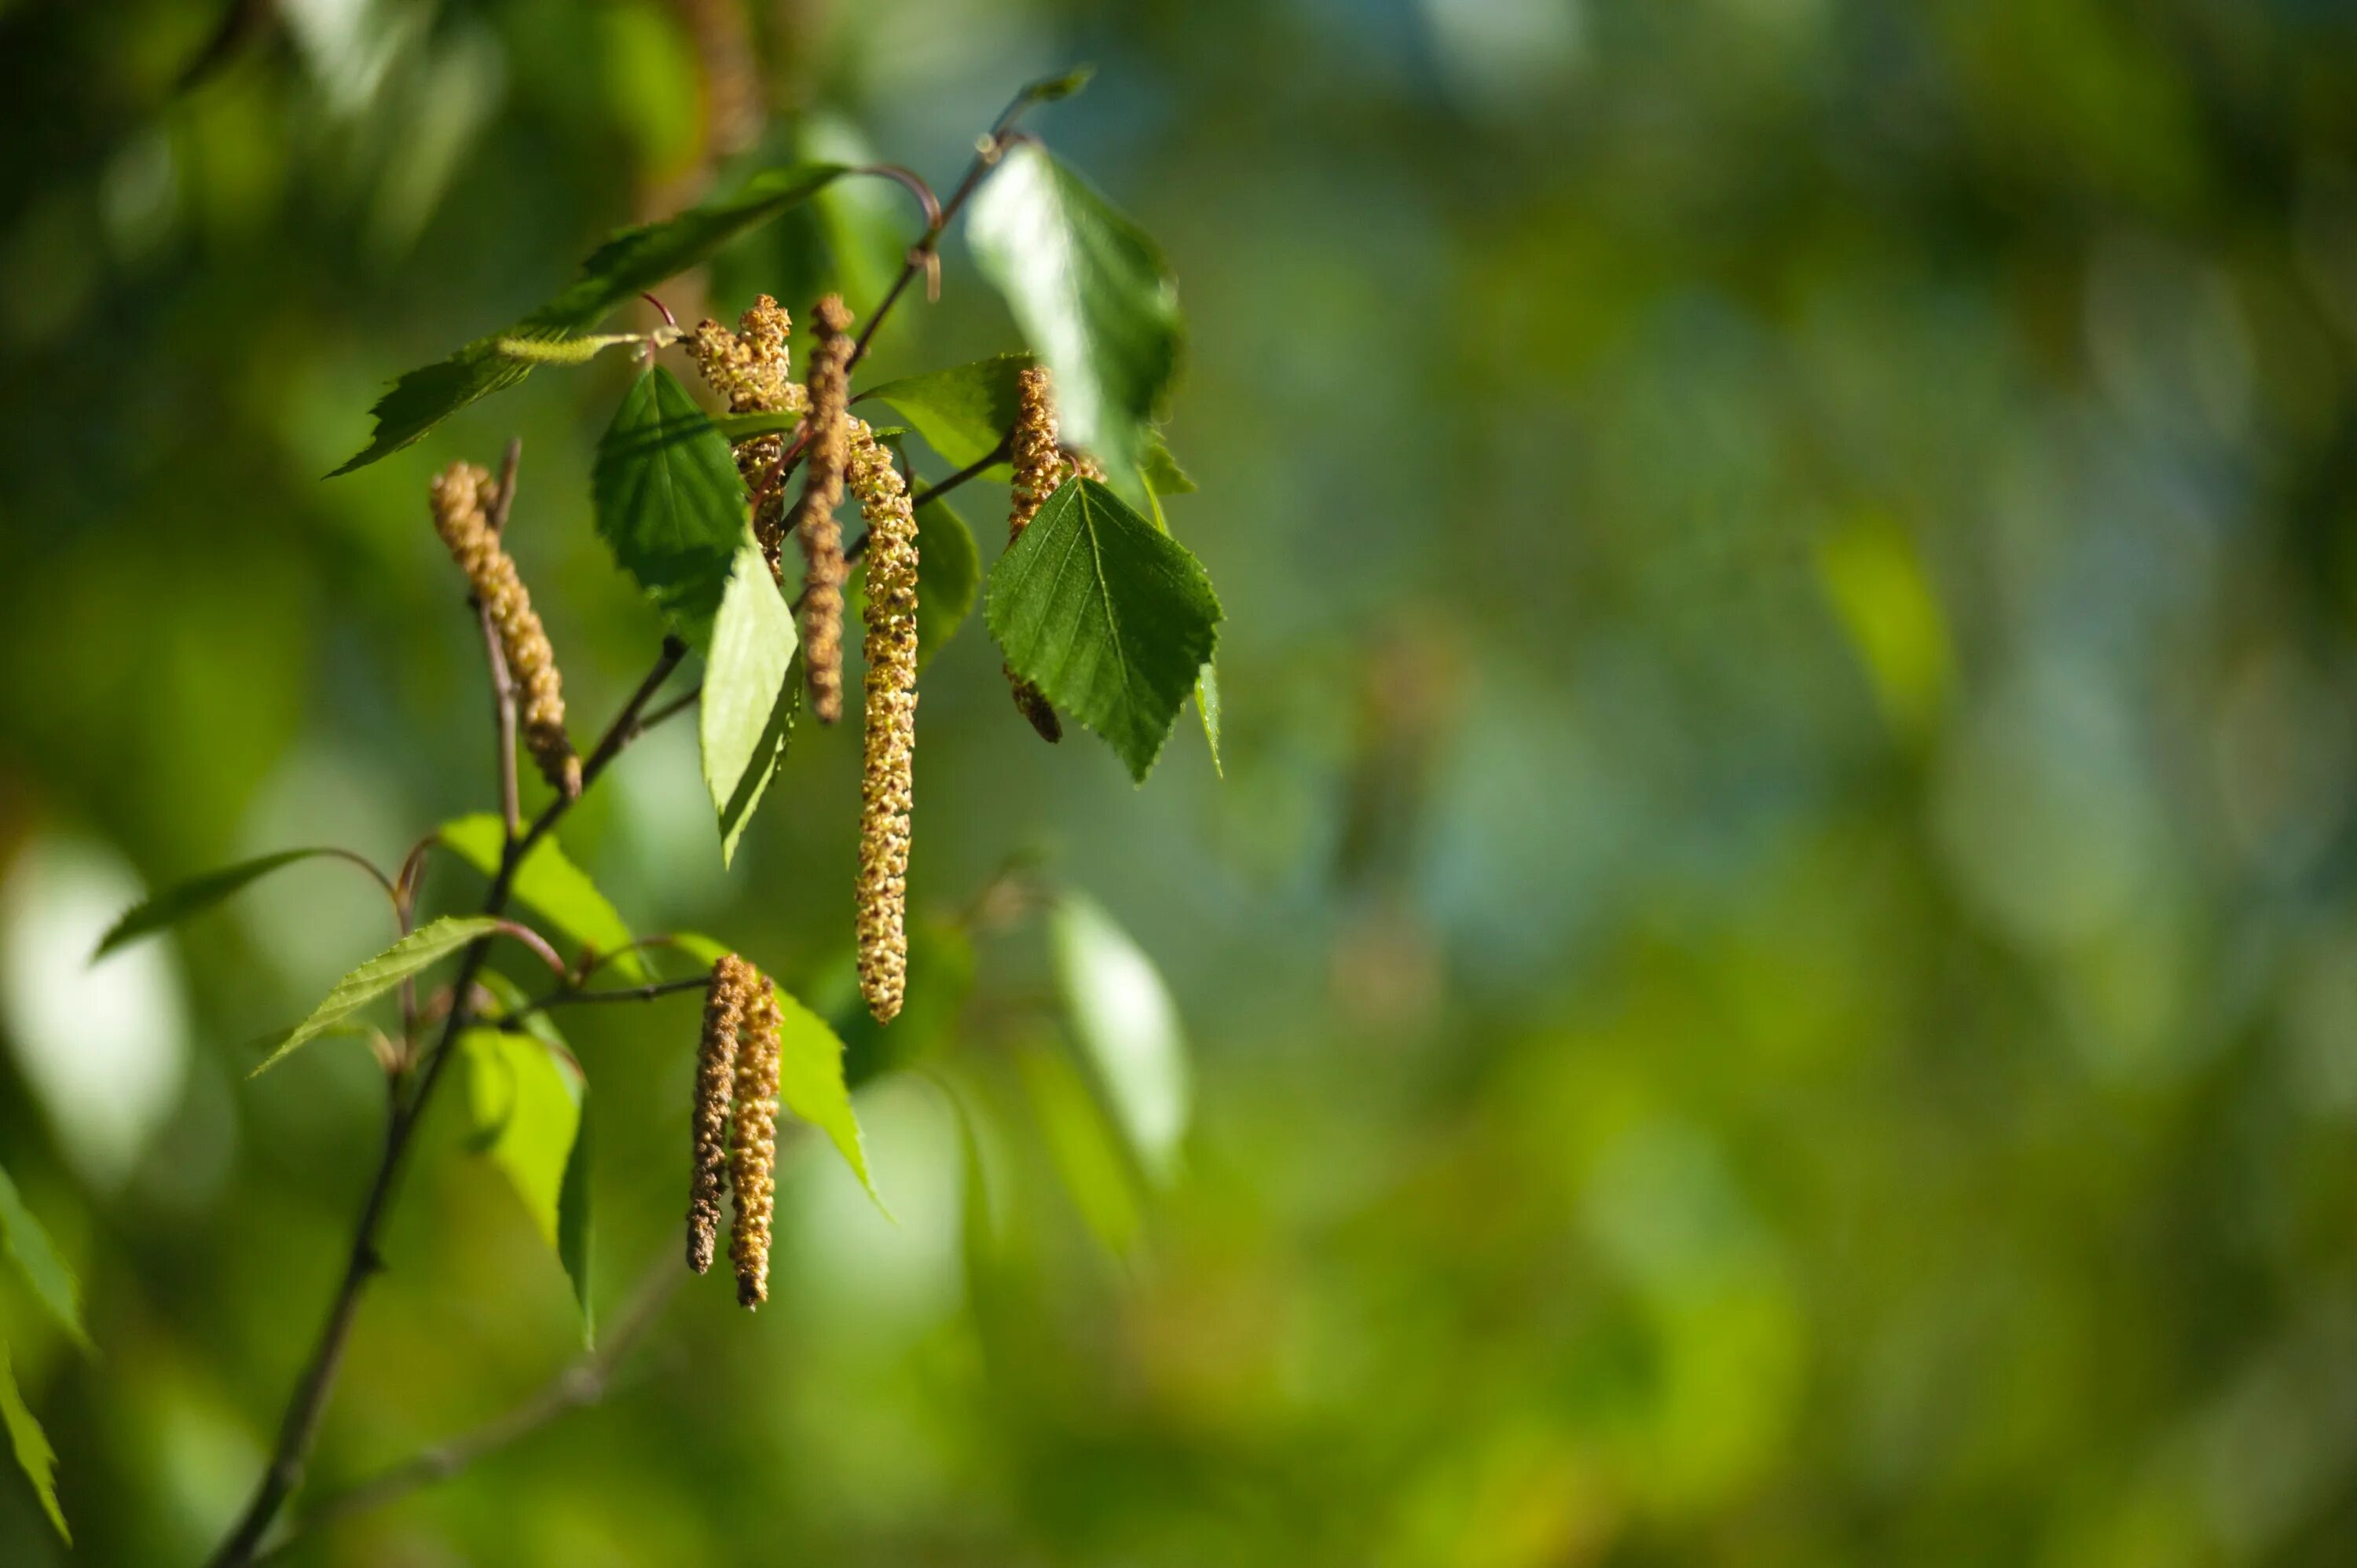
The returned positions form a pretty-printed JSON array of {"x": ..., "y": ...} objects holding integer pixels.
[
  {"x": 551, "y": 884},
  {"x": 37, "y": 1258},
  {"x": 34, "y": 1455},
  {"x": 668, "y": 502},
  {"x": 528, "y": 1106},
  {"x": 1158, "y": 476},
  {"x": 415, "y": 952},
  {"x": 810, "y": 1070},
  {"x": 1107, "y": 615},
  {"x": 632, "y": 262},
  {"x": 750, "y": 693},
  {"x": 961, "y": 412},
  {"x": 1122, "y": 1013},
  {"x": 194, "y": 897},
  {"x": 1091, "y": 293}
]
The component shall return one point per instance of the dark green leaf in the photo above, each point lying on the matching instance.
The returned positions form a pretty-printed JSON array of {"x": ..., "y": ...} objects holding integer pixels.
[
  {"x": 34, "y": 1455},
  {"x": 38, "y": 1260},
  {"x": 751, "y": 692},
  {"x": 194, "y": 897},
  {"x": 668, "y": 502},
  {"x": 810, "y": 1072},
  {"x": 632, "y": 262},
  {"x": 572, "y": 1228},
  {"x": 1092, "y": 294},
  {"x": 1108, "y": 615},
  {"x": 553, "y": 885},
  {"x": 963, "y": 411},
  {"x": 419, "y": 951},
  {"x": 1122, "y": 1013}
]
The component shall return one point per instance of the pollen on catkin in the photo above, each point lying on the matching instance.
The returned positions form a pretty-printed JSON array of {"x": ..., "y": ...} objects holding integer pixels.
[
  {"x": 887, "y": 782},
  {"x": 715, "y": 1077},
  {"x": 824, "y": 456},
  {"x": 753, "y": 1144},
  {"x": 462, "y": 496},
  {"x": 752, "y": 367},
  {"x": 1038, "y": 470}
]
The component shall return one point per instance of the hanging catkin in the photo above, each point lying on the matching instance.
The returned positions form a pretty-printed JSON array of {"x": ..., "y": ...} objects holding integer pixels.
[
  {"x": 752, "y": 367},
  {"x": 824, "y": 455},
  {"x": 1039, "y": 467},
  {"x": 753, "y": 1144},
  {"x": 716, "y": 1077},
  {"x": 887, "y": 782},
  {"x": 461, "y": 497}
]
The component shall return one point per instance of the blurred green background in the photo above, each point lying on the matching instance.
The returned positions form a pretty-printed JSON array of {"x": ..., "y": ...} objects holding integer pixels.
[{"x": 1773, "y": 976}]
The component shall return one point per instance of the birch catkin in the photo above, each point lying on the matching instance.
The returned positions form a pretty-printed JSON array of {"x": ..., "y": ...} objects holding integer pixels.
[
  {"x": 826, "y": 455},
  {"x": 753, "y": 368},
  {"x": 1038, "y": 470},
  {"x": 716, "y": 1077},
  {"x": 461, "y": 497},
  {"x": 753, "y": 1146},
  {"x": 887, "y": 782}
]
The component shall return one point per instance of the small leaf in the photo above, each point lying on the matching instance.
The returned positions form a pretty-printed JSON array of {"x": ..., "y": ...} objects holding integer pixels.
[
  {"x": 1128, "y": 1025},
  {"x": 668, "y": 502},
  {"x": 632, "y": 262},
  {"x": 1092, "y": 294},
  {"x": 530, "y": 1112},
  {"x": 1108, "y": 615},
  {"x": 419, "y": 951},
  {"x": 194, "y": 897},
  {"x": 38, "y": 1260},
  {"x": 1207, "y": 704},
  {"x": 750, "y": 693},
  {"x": 1083, "y": 1147},
  {"x": 1160, "y": 471},
  {"x": 573, "y": 1230},
  {"x": 810, "y": 1072},
  {"x": 963, "y": 411},
  {"x": 1050, "y": 89},
  {"x": 34, "y": 1455},
  {"x": 553, "y": 885}
]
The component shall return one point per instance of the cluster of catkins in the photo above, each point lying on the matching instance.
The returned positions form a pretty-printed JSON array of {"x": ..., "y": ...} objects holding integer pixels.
[
  {"x": 735, "y": 1125},
  {"x": 750, "y": 369},
  {"x": 463, "y": 496}
]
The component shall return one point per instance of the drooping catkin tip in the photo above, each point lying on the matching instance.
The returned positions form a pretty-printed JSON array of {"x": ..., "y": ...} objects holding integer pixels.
[
  {"x": 460, "y": 496},
  {"x": 715, "y": 1077},
  {"x": 753, "y": 1146}
]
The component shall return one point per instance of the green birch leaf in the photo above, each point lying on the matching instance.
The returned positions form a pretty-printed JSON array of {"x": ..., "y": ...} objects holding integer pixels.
[
  {"x": 37, "y": 1258},
  {"x": 750, "y": 693},
  {"x": 810, "y": 1072},
  {"x": 551, "y": 884},
  {"x": 34, "y": 1455},
  {"x": 668, "y": 502},
  {"x": 572, "y": 1228},
  {"x": 1091, "y": 293},
  {"x": 194, "y": 897},
  {"x": 1160, "y": 471},
  {"x": 628, "y": 264},
  {"x": 1128, "y": 1025},
  {"x": 1082, "y": 1149},
  {"x": 1107, "y": 615},
  {"x": 528, "y": 1102},
  {"x": 961, "y": 412},
  {"x": 413, "y": 953},
  {"x": 1159, "y": 476}
]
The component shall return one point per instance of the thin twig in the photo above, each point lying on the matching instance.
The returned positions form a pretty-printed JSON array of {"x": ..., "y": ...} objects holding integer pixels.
[
  {"x": 685, "y": 700},
  {"x": 503, "y": 692},
  {"x": 300, "y": 1427},
  {"x": 567, "y": 996},
  {"x": 584, "y": 1381}
]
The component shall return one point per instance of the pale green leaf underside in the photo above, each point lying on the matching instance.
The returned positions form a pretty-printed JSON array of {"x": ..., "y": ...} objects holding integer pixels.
[
  {"x": 632, "y": 262},
  {"x": 194, "y": 897},
  {"x": 551, "y": 884},
  {"x": 669, "y": 504},
  {"x": 1122, "y": 1013},
  {"x": 1091, "y": 293},
  {"x": 810, "y": 1072},
  {"x": 751, "y": 693},
  {"x": 1108, "y": 615},
  {"x": 412, "y": 954},
  {"x": 34, "y": 1455},
  {"x": 38, "y": 1260}
]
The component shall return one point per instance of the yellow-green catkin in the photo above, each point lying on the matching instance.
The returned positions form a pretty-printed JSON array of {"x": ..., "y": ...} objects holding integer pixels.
[
  {"x": 462, "y": 495},
  {"x": 753, "y": 1144},
  {"x": 1038, "y": 470},
  {"x": 826, "y": 455},
  {"x": 887, "y": 782},
  {"x": 752, "y": 367},
  {"x": 716, "y": 1077}
]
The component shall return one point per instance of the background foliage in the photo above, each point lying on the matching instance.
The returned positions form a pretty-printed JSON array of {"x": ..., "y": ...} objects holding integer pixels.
[{"x": 1773, "y": 977}]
